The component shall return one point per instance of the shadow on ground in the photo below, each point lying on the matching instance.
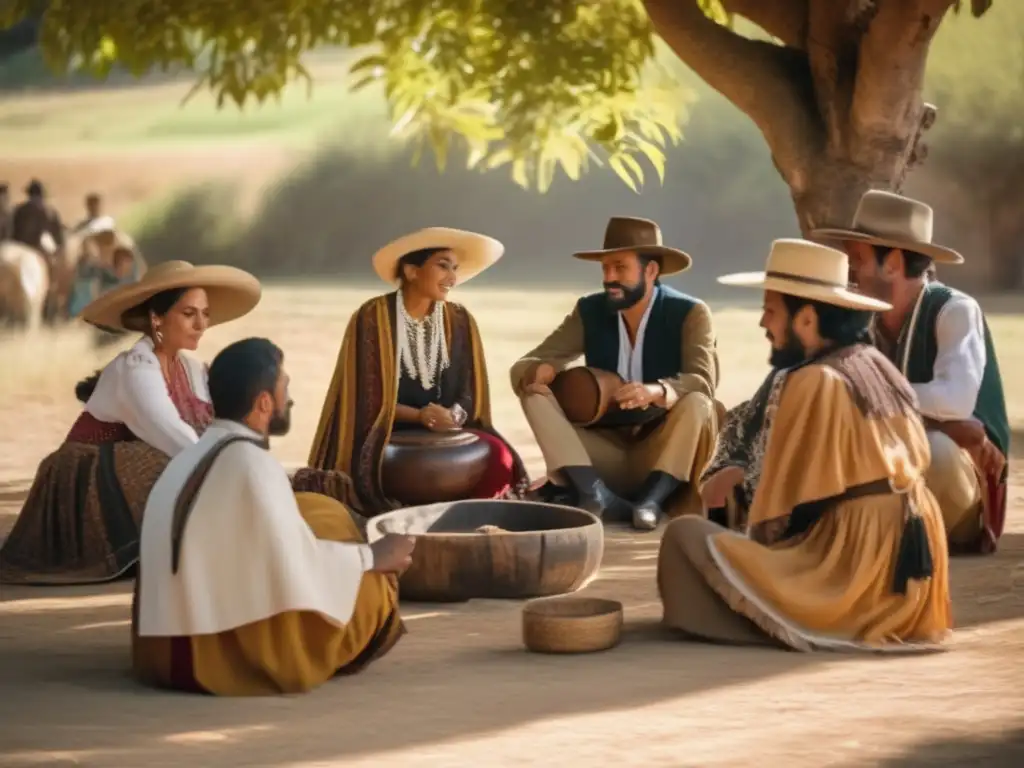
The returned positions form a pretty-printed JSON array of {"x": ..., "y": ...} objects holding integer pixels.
[
  {"x": 461, "y": 671},
  {"x": 1003, "y": 751}
]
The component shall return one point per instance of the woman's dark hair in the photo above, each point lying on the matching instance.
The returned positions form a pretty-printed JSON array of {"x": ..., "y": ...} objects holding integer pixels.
[
  {"x": 85, "y": 388},
  {"x": 240, "y": 373},
  {"x": 137, "y": 318},
  {"x": 841, "y": 325},
  {"x": 415, "y": 259}
]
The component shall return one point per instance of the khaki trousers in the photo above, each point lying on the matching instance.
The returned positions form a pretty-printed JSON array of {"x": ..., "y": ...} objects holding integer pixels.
[
  {"x": 954, "y": 482},
  {"x": 689, "y": 604},
  {"x": 680, "y": 446}
]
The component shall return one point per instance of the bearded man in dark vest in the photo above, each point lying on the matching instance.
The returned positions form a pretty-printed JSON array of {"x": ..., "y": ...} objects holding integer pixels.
[
  {"x": 661, "y": 344},
  {"x": 939, "y": 338}
]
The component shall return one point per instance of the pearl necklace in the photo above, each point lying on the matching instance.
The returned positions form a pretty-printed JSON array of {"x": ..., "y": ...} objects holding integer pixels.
[{"x": 422, "y": 347}]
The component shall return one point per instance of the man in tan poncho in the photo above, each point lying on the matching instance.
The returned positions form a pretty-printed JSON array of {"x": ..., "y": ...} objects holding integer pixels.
[{"x": 844, "y": 547}]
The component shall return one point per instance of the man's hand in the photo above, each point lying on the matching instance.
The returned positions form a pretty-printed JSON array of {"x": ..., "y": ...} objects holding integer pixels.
[
  {"x": 392, "y": 553},
  {"x": 715, "y": 492},
  {"x": 637, "y": 395},
  {"x": 437, "y": 418},
  {"x": 537, "y": 383}
]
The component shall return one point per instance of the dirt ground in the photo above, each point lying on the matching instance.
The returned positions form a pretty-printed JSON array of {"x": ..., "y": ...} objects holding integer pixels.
[{"x": 459, "y": 690}]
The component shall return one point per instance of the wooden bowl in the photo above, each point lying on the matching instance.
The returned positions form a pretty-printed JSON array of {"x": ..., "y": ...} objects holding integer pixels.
[
  {"x": 571, "y": 625},
  {"x": 495, "y": 549},
  {"x": 423, "y": 467}
]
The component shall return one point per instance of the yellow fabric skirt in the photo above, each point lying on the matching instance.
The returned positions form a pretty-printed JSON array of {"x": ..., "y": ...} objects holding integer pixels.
[
  {"x": 831, "y": 589},
  {"x": 291, "y": 652}
]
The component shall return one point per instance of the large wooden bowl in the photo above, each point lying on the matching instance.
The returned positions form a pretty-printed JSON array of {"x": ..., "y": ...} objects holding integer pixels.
[
  {"x": 423, "y": 467},
  {"x": 495, "y": 549}
]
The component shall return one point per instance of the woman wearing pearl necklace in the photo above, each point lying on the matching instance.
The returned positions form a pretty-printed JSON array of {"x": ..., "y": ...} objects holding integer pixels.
[{"x": 411, "y": 359}]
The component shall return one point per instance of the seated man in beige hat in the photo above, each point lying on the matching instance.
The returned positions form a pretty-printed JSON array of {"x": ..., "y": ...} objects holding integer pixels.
[
  {"x": 844, "y": 547},
  {"x": 244, "y": 587},
  {"x": 939, "y": 338},
  {"x": 661, "y": 344},
  {"x": 411, "y": 360},
  {"x": 80, "y": 521}
]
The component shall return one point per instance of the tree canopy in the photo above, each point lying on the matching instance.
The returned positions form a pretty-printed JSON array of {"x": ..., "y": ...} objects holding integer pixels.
[{"x": 535, "y": 84}]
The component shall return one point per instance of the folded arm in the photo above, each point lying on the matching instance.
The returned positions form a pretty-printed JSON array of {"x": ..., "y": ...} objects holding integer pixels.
[
  {"x": 700, "y": 358},
  {"x": 562, "y": 346},
  {"x": 146, "y": 408},
  {"x": 959, "y": 363}
]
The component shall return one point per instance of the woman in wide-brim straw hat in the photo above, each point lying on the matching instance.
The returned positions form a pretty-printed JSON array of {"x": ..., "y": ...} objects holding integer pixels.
[
  {"x": 411, "y": 359},
  {"x": 842, "y": 546},
  {"x": 80, "y": 522}
]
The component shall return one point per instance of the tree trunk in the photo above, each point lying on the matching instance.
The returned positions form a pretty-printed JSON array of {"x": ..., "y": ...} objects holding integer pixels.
[
  {"x": 827, "y": 191},
  {"x": 838, "y": 102}
]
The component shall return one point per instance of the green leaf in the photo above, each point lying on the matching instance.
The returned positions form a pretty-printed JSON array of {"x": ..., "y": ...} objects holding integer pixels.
[
  {"x": 618, "y": 164},
  {"x": 519, "y": 174},
  {"x": 654, "y": 155}
]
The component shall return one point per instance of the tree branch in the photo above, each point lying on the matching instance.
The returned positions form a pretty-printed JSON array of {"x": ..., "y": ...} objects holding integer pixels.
[
  {"x": 886, "y": 106},
  {"x": 770, "y": 83},
  {"x": 784, "y": 19}
]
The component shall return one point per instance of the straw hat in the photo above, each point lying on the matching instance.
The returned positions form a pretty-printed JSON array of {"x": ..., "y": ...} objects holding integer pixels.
[
  {"x": 231, "y": 293},
  {"x": 641, "y": 236},
  {"x": 475, "y": 252},
  {"x": 806, "y": 269},
  {"x": 893, "y": 221}
]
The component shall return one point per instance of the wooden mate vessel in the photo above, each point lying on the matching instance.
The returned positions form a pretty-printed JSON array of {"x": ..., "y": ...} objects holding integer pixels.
[{"x": 424, "y": 467}]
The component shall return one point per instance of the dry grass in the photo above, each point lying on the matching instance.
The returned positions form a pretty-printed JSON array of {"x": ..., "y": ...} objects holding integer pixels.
[{"x": 39, "y": 372}]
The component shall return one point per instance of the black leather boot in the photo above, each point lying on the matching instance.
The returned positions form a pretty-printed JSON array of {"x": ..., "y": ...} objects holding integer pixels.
[
  {"x": 596, "y": 497},
  {"x": 552, "y": 493},
  {"x": 657, "y": 489}
]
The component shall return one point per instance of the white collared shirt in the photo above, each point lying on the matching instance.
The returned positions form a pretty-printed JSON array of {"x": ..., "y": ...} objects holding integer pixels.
[
  {"x": 960, "y": 359},
  {"x": 631, "y": 356}
]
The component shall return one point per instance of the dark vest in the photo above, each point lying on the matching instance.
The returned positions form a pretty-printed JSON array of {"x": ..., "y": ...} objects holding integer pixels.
[
  {"x": 663, "y": 337},
  {"x": 990, "y": 408}
]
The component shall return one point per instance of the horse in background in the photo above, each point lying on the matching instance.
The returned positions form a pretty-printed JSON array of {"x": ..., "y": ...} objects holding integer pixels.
[{"x": 24, "y": 286}]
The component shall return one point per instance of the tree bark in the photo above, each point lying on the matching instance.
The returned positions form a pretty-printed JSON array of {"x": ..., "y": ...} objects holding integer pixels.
[{"x": 839, "y": 102}]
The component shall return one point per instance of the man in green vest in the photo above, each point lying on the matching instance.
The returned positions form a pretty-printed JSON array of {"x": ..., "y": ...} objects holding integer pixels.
[
  {"x": 655, "y": 347},
  {"x": 939, "y": 338}
]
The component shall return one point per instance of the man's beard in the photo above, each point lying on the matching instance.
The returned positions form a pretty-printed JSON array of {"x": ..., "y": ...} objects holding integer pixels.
[
  {"x": 631, "y": 295},
  {"x": 280, "y": 422},
  {"x": 791, "y": 353}
]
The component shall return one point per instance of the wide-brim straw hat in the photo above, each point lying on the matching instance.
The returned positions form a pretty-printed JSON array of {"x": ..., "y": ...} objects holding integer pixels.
[
  {"x": 474, "y": 252},
  {"x": 642, "y": 237},
  {"x": 809, "y": 270},
  {"x": 231, "y": 293},
  {"x": 893, "y": 221}
]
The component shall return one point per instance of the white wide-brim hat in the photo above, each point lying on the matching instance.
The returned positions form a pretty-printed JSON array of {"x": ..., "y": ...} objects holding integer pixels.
[
  {"x": 474, "y": 252},
  {"x": 809, "y": 270},
  {"x": 231, "y": 293}
]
